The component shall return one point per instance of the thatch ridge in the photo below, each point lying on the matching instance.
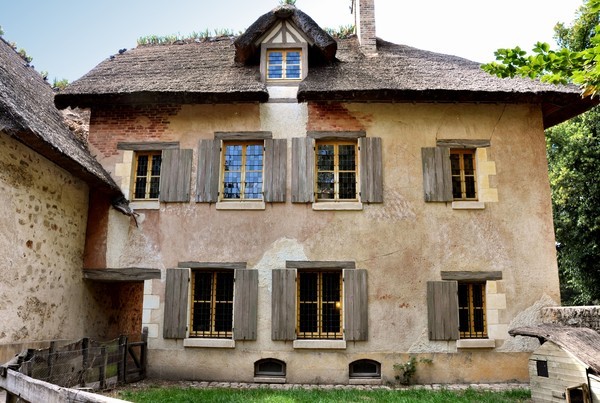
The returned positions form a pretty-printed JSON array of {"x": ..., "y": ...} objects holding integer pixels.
[
  {"x": 28, "y": 114},
  {"x": 583, "y": 343}
]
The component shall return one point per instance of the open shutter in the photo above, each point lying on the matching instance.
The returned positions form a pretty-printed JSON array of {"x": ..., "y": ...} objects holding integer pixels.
[
  {"x": 175, "y": 175},
  {"x": 442, "y": 310},
  {"x": 303, "y": 170},
  {"x": 283, "y": 305},
  {"x": 437, "y": 175},
  {"x": 176, "y": 304},
  {"x": 356, "y": 305},
  {"x": 246, "y": 302},
  {"x": 275, "y": 173},
  {"x": 371, "y": 170},
  {"x": 209, "y": 160}
]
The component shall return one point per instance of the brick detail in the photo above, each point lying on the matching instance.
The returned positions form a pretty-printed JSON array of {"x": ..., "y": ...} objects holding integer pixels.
[
  {"x": 332, "y": 117},
  {"x": 365, "y": 25},
  {"x": 112, "y": 124}
]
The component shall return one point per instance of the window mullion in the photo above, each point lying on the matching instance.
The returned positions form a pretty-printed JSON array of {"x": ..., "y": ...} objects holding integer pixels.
[
  {"x": 336, "y": 172},
  {"x": 320, "y": 304},
  {"x": 213, "y": 304},
  {"x": 243, "y": 173}
]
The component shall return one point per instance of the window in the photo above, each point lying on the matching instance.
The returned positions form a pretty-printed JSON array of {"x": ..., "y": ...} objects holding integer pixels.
[
  {"x": 242, "y": 171},
  {"x": 365, "y": 369},
  {"x": 319, "y": 304},
  {"x": 212, "y": 304},
  {"x": 464, "y": 183},
  {"x": 471, "y": 310},
  {"x": 269, "y": 367},
  {"x": 542, "y": 368},
  {"x": 284, "y": 64},
  {"x": 336, "y": 177},
  {"x": 147, "y": 175}
]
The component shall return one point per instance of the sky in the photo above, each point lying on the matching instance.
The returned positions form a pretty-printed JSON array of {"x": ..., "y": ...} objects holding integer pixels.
[{"x": 67, "y": 38}]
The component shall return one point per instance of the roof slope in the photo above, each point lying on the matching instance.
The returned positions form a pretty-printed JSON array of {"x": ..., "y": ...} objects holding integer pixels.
[
  {"x": 582, "y": 342},
  {"x": 27, "y": 113}
]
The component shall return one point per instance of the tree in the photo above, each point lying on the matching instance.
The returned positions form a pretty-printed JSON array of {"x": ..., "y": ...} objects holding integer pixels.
[
  {"x": 573, "y": 149},
  {"x": 576, "y": 62}
]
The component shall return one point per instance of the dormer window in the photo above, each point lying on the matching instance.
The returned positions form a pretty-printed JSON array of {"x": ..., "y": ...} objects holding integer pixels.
[{"x": 284, "y": 64}]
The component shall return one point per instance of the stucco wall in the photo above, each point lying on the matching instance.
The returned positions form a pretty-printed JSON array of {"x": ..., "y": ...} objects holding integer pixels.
[{"x": 403, "y": 242}]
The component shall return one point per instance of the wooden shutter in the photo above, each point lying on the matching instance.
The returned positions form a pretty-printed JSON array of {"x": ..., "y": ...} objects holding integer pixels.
[
  {"x": 371, "y": 170},
  {"x": 303, "y": 170},
  {"x": 442, "y": 310},
  {"x": 356, "y": 305},
  {"x": 275, "y": 170},
  {"x": 245, "y": 304},
  {"x": 176, "y": 303},
  {"x": 437, "y": 175},
  {"x": 209, "y": 161},
  {"x": 175, "y": 175},
  {"x": 283, "y": 305}
]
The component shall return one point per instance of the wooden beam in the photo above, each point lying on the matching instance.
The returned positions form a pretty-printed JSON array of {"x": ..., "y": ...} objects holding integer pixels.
[
  {"x": 459, "y": 143},
  {"x": 212, "y": 265},
  {"x": 472, "y": 275},
  {"x": 243, "y": 136},
  {"x": 321, "y": 265},
  {"x": 147, "y": 146},
  {"x": 125, "y": 274},
  {"x": 336, "y": 135}
]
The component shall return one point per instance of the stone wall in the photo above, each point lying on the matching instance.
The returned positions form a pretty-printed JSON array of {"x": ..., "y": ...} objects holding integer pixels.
[{"x": 575, "y": 316}]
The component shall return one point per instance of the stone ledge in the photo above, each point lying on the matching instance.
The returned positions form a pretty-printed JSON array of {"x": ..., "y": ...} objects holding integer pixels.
[
  {"x": 476, "y": 343},
  {"x": 209, "y": 343},
  {"x": 320, "y": 344},
  {"x": 264, "y": 379}
]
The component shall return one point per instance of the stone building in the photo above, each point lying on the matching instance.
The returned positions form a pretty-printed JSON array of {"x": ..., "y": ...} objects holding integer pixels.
[{"x": 321, "y": 208}]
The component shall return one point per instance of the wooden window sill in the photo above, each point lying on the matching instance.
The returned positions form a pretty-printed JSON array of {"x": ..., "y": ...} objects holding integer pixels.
[
  {"x": 209, "y": 343},
  {"x": 329, "y": 206},
  {"x": 145, "y": 205},
  {"x": 476, "y": 343},
  {"x": 468, "y": 205},
  {"x": 320, "y": 344},
  {"x": 238, "y": 205}
]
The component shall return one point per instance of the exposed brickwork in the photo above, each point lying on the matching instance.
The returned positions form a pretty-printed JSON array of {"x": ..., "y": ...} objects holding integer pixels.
[
  {"x": 365, "y": 25},
  {"x": 331, "y": 117},
  {"x": 576, "y": 316},
  {"x": 111, "y": 125}
]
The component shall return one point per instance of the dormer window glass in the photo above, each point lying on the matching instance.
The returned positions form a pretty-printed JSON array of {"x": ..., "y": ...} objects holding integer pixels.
[{"x": 284, "y": 64}]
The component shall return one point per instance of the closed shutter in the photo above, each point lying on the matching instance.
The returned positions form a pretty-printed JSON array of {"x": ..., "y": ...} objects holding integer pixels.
[
  {"x": 437, "y": 175},
  {"x": 209, "y": 160},
  {"x": 283, "y": 305},
  {"x": 176, "y": 304},
  {"x": 246, "y": 302},
  {"x": 275, "y": 170},
  {"x": 303, "y": 170},
  {"x": 442, "y": 310},
  {"x": 371, "y": 170},
  {"x": 175, "y": 175},
  {"x": 356, "y": 321}
]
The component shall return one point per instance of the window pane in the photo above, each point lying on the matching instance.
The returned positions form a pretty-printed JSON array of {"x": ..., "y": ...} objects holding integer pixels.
[
  {"x": 347, "y": 157},
  {"x": 224, "y": 289},
  {"x": 325, "y": 157},
  {"x": 254, "y": 157},
  {"x": 325, "y": 185},
  {"x": 140, "y": 188},
  {"x": 470, "y": 187},
  {"x": 202, "y": 286},
  {"x": 456, "y": 187},
  {"x": 253, "y": 185},
  {"x": 223, "y": 317},
  {"x": 233, "y": 158},
  {"x": 201, "y": 317},
  {"x": 275, "y": 57},
  {"x": 347, "y": 185},
  {"x": 156, "y": 160},
  {"x": 232, "y": 185},
  {"x": 154, "y": 187},
  {"x": 292, "y": 72},
  {"x": 469, "y": 164},
  {"x": 142, "y": 165},
  {"x": 308, "y": 286},
  {"x": 293, "y": 58},
  {"x": 331, "y": 318},
  {"x": 455, "y": 164},
  {"x": 308, "y": 317},
  {"x": 331, "y": 287}
]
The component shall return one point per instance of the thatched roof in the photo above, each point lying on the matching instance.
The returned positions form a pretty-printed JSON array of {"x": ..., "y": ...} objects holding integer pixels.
[
  {"x": 582, "y": 342},
  {"x": 246, "y": 47},
  {"x": 28, "y": 114}
]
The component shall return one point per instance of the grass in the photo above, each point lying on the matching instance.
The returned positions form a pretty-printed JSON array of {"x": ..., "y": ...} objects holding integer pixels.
[{"x": 173, "y": 394}]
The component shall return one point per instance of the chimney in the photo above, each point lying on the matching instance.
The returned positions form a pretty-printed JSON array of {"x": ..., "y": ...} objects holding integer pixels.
[{"x": 364, "y": 18}]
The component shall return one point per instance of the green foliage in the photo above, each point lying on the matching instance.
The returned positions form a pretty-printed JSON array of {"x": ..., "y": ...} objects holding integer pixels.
[
  {"x": 60, "y": 85},
  {"x": 342, "y": 32},
  {"x": 406, "y": 372},
  {"x": 25, "y": 56},
  {"x": 288, "y": 2},
  {"x": 1, "y": 31},
  {"x": 576, "y": 62},
  {"x": 299, "y": 395},
  {"x": 193, "y": 37},
  {"x": 573, "y": 151}
]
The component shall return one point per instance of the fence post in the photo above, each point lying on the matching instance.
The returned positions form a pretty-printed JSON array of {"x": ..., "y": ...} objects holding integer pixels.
[
  {"x": 102, "y": 369},
  {"x": 144, "y": 352},
  {"x": 51, "y": 360},
  {"x": 122, "y": 366},
  {"x": 85, "y": 352}
]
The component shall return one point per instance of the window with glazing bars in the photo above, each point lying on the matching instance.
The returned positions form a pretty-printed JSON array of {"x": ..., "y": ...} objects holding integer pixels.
[
  {"x": 471, "y": 310},
  {"x": 464, "y": 182},
  {"x": 147, "y": 175},
  {"x": 284, "y": 64},
  {"x": 242, "y": 171},
  {"x": 336, "y": 171},
  {"x": 212, "y": 304},
  {"x": 319, "y": 305}
]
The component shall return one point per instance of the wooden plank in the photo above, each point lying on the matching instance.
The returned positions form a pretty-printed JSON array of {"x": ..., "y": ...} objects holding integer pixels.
[
  {"x": 125, "y": 274},
  {"x": 303, "y": 161},
  {"x": 244, "y": 136},
  {"x": 336, "y": 135},
  {"x": 176, "y": 303},
  {"x": 319, "y": 264},
  {"x": 437, "y": 179},
  {"x": 472, "y": 275},
  {"x": 283, "y": 304},
  {"x": 175, "y": 175},
  {"x": 356, "y": 305},
  {"x": 209, "y": 160},
  {"x": 213, "y": 265},
  {"x": 274, "y": 172},
  {"x": 460, "y": 143},
  {"x": 246, "y": 304},
  {"x": 442, "y": 310},
  {"x": 371, "y": 170},
  {"x": 147, "y": 146}
]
